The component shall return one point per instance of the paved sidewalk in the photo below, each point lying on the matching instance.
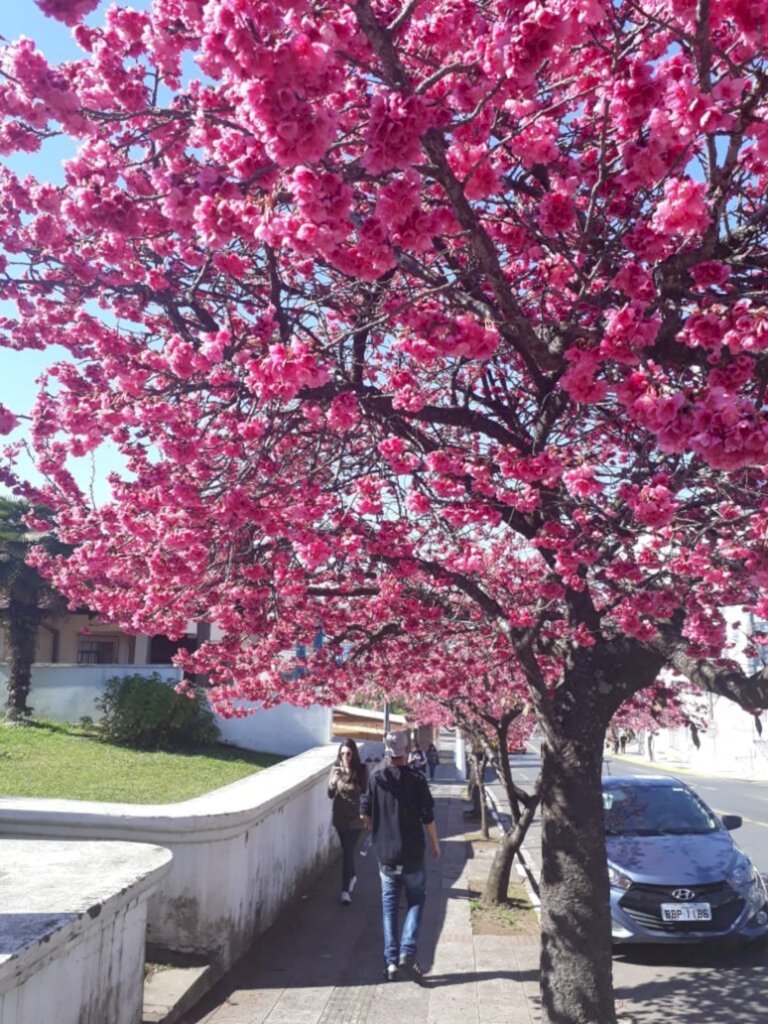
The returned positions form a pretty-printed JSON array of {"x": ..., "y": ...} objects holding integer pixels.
[{"x": 322, "y": 963}]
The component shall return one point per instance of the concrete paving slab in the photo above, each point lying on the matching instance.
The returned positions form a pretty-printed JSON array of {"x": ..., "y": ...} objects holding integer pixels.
[{"x": 168, "y": 992}]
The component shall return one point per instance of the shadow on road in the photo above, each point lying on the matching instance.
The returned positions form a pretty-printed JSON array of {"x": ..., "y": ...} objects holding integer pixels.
[{"x": 700, "y": 985}]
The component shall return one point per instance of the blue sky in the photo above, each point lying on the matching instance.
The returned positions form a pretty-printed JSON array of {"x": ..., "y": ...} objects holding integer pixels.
[
  {"x": 19, "y": 370},
  {"x": 23, "y": 18}
]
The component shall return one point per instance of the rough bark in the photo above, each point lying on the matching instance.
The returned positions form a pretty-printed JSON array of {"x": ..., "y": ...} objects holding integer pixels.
[
  {"x": 504, "y": 770},
  {"x": 476, "y": 789},
  {"x": 576, "y": 969},
  {"x": 22, "y": 626},
  {"x": 484, "y": 830}
]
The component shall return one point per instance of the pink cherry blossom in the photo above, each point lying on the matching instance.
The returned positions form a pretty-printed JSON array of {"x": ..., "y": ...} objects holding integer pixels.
[
  {"x": 710, "y": 273},
  {"x": 684, "y": 210},
  {"x": 68, "y": 11},
  {"x": 556, "y": 213},
  {"x": 393, "y": 132},
  {"x": 440, "y": 328},
  {"x": 654, "y": 505},
  {"x": 8, "y": 421},
  {"x": 581, "y": 482},
  {"x": 579, "y": 380}
]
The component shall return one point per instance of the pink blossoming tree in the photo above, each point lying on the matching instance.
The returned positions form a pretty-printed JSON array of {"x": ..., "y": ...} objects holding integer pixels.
[{"x": 390, "y": 295}]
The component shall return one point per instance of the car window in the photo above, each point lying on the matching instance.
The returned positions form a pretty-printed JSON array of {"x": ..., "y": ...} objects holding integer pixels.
[{"x": 656, "y": 810}]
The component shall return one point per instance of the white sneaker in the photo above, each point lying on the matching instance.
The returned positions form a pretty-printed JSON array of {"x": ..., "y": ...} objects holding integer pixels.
[
  {"x": 346, "y": 898},
  {"x": 352, "y": 884}
]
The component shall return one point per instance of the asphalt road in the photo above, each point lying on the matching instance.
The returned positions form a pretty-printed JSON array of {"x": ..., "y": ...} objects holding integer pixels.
[{"x": 693, "y": 985}]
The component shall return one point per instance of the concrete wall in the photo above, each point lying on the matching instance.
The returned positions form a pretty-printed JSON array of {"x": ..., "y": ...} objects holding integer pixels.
[
  {"x": 460, "y": 753},
  {"x": 284, "y": 729},
  {"x": 72, "y": 930},
  {"x": 731, "y": 744},
  {"x": 67, "y": 693},
  {"x": 239, "y": 853}
]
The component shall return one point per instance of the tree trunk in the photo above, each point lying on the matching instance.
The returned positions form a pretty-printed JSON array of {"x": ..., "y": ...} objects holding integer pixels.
[
  {"x": 23, "y": 624},
  {"x": 482, "y": 762},
  {"x": 504, "y": 769},
  {"x": 497, "y": 883},
  {"x": 576, "y": 968},
  {"x": 473, "y": 786}
]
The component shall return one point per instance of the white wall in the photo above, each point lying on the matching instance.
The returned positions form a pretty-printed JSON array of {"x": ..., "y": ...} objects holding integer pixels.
[
  {"x": 72, "y": 930},
  {"x": 731, "y": 743},
  {"x": 460, "y": 753},
  {"x": 67, "y": 693},
  {"x": 284, "y": 729},
  {"x": 239, "y": 853}
]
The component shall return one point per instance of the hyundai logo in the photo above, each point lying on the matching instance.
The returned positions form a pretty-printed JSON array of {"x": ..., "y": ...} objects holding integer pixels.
[{"x": 683, "y": 894}]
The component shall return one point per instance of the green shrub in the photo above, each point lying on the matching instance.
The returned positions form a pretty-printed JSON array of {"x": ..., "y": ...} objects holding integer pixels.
[{"x": 146, "y": 713}]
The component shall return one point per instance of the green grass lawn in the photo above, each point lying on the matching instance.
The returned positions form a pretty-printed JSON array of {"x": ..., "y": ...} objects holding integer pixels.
[{"x": 51, "y": 759}]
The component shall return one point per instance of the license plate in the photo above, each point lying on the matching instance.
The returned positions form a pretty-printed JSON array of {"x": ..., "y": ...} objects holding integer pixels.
[{"x": 686, "y": 912}]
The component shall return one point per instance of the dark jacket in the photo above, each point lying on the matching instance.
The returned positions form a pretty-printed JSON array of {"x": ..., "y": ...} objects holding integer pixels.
[
  {"x": 345, "y": 793},
  {"x": 399, "y": 803}
]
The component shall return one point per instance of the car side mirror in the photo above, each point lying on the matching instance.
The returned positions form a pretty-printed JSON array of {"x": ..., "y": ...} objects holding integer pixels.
[{"x": 732, "y": 821}]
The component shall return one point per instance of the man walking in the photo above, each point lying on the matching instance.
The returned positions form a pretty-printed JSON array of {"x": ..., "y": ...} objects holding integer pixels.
[{"x": 398, "y": 807}]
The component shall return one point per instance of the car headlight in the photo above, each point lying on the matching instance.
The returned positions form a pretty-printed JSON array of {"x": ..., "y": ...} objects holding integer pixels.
[
  {"x": 618, "y": 879},
  {"x": 743, "y": 875}
]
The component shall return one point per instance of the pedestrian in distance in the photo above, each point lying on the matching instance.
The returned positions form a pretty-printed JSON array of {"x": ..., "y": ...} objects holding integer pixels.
[
  {"x": 417, "y": 759},
  {"x": 433, "y": 760},
  {"x": 398, "y": 808},
  {"x": 346, "y": 785}
]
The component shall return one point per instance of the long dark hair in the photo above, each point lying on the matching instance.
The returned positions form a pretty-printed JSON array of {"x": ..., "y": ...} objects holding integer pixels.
[{"x": 356, "y": 766}]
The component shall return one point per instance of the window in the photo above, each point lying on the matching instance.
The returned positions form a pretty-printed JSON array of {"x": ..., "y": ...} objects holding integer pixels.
[
  {"x": 655, "y": 810},
  {"x": 162, "y": 650},
  {"x": 97, "y": 650}
]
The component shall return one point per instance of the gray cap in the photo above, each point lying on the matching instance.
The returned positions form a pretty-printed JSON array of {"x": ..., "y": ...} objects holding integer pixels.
[{"x": 396, "y": 744}]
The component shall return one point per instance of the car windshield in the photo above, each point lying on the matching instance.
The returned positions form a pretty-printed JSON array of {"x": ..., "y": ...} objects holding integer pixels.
[{"x": 655, "y": 810}]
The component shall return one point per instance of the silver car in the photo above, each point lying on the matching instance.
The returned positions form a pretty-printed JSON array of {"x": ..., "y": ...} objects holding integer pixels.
[{"x": 676, "y": 874}]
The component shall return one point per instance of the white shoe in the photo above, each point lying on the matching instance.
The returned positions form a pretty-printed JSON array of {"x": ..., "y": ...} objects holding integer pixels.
[
  {"x": 352, "y": 884},
  {"x": 346, "y": 898}
]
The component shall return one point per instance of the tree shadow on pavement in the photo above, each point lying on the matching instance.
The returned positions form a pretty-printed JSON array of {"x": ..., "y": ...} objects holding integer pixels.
[
  {"x": 715, "y": 985},
  {"x": 461, "y": 978}
]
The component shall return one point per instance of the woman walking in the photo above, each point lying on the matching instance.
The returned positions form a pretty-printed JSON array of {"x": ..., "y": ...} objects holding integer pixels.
[{"x": 347, "y": 783}]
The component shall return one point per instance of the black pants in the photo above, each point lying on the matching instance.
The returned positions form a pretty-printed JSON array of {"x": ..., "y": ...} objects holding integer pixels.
[{"x": 348, "y": 838}]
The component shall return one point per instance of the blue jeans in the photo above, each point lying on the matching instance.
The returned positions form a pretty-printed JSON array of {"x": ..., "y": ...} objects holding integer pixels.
[{"x": 415, "y": 885}]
